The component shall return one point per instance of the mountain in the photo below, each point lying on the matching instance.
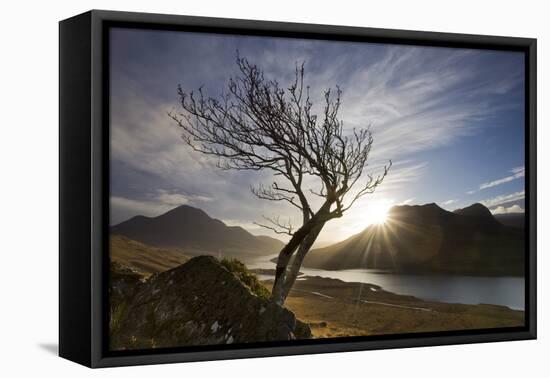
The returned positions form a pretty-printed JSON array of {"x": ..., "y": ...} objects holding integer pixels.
[
  {"x": 479, "y": 215},
  {"x": 427, "y": 238},
  {"x": 193, "y": 231},
  {"x": 516, "y": 220}
]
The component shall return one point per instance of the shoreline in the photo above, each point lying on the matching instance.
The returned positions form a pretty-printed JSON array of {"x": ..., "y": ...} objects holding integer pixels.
[
  {"x": 334, "y": 308},
  {"x": 464, "y": 289}
]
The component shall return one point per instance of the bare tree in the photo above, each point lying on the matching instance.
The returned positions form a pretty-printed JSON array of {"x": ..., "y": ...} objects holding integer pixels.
[{"x": 259, "y": 125}]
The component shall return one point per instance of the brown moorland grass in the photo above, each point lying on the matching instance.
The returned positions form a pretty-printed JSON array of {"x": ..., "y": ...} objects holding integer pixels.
[
  {"x": 334, "y": 308},
  {"x": 143, "y": 258}
]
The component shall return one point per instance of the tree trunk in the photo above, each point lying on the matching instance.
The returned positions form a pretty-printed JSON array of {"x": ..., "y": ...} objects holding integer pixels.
[
  {"x": 283, "y": 260},
  {"x": 292, "y": 273},
  {"x": 287, "y": 251}
]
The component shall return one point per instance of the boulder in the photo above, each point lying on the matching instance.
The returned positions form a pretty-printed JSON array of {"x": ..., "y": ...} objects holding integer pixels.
[{"x": 197, "y": 303}]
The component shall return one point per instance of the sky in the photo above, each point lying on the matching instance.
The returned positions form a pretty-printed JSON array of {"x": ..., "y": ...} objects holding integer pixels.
[{"x": 451, "y": 120}]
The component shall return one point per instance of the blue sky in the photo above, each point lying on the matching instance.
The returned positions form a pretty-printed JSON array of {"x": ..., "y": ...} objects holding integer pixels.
[{"x": 451, "y": 120}]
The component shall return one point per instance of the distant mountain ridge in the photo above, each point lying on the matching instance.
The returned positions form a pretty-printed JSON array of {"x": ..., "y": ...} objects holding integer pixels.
[
  {"x": 478, "y": 214},
  {"x": 427, "y": 238},
  {"x": 191, "y": 229}
]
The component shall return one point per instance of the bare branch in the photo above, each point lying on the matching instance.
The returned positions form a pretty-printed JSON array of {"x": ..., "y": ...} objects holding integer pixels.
[
  {"x": 257, "y": 124},
  {"x": 277, "y": 226},
  {"x": 272, "y": 194}
]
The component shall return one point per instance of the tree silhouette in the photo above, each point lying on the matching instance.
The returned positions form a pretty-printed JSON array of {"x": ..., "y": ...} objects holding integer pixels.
[{"x": 259, "y": 125}]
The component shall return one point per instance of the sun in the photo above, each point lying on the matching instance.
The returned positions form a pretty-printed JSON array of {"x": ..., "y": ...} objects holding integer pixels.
[{"x": 378, "y": 211}]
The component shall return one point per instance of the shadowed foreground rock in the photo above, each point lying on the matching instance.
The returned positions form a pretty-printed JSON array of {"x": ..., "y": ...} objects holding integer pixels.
[{"x": 197, "y": 303}]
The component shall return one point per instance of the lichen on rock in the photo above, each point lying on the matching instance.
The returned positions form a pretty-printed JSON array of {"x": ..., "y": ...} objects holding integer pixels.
[{"x": 200, "y": 302}]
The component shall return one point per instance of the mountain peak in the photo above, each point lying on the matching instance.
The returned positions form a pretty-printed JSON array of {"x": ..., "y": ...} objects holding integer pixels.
[
  {"x": 475, "y": 209},
  {"x": 427, "y": 238},
  {"x": 429, "y": 212},
  {"x": 432, "y": 206},
  {"x": 479, "y": 214},
  {"x": 188, "y": 227},
  {"x": 185, "y": 210}
]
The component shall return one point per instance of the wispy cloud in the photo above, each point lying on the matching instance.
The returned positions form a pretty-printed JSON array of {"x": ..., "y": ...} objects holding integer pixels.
[
  {"x": 514, "y": 209},
  {"x": 517, "y": 173},
  {"x": 502, "y": 199},
  {"x": 415, "y": 98},
  {"x": 408, "y": 201},
  {"x": 450, "y": 202},
  {"x": 176, "y": 199},
  {"x": 123, "y": 208},
  {"x": 402, "y": 173},
  {"x": 156, "y": 204},
  {"x": 421, "y": 96}
]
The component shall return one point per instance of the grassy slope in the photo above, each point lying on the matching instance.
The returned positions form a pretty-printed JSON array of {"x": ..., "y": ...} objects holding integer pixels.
[
  {"x": 142, "y": 257},
  {"x": 339, "y": 310}
]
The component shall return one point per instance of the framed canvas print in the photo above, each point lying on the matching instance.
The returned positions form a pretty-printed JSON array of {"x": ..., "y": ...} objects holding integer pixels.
[{"x": 234, "y": 188}]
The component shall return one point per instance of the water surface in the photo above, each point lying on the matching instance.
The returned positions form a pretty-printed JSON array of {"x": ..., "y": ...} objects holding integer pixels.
[{"x": 504, "y": 291}]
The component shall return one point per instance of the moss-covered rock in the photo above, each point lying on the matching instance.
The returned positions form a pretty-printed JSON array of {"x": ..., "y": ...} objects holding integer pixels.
[
  {"x": 250, "y": 280},
  {"x": 202, "y": 302}
]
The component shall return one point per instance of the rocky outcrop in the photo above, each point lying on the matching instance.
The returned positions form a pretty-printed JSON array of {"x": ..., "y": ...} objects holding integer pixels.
[{"x": 197, "y": 303}]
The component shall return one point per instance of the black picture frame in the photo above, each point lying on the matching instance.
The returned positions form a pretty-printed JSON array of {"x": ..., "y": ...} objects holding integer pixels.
[{"x": 84, "y": 186}]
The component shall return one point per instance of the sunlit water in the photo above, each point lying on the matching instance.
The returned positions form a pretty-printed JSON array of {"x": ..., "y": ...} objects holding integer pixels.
[{"x": 505, "y": 291}]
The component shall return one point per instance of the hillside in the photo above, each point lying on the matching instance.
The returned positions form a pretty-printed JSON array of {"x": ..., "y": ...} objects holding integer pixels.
[
  {"x": 143, "y": 258},
  {"x": 428, "y": 238},
  {"x": 192, "y": 230},
  {"x": 516, "y": 220}
]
